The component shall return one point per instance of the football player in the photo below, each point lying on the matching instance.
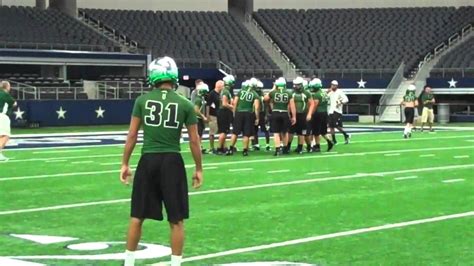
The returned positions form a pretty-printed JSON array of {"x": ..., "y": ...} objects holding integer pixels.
[
  {"x": 319, "y": 122},
  {"x": 225, "y": 114},
  {"x": 6, "y": 105},
  {"x": 337, "y": 98},
  {"x": 200, "y": 109},
  {"x": 301, "y": 107},
  {"x": 160, "y": 179},
  {"x": 247, "y": 105},
  {"x": 410, "y": 102},
  {"x": 262, "y": 119},
  {"x": 279, "y": 97}
]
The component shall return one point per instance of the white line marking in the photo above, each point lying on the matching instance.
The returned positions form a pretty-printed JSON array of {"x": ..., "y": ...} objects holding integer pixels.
[
  {"x": 82, "y": 162},
  {"x": 56, "y": 161},
  {"x": 392, "y": 154},
  {"x": 240, "y": 169},
  {"x": 60, "y": 151},
  {"x": 318, "y": 173},
  {"x": 461, "y": 156},
  {"x": 427, "y": 155},
  {"x": 210, "y": 168},
  {"x": 242, "y": 162},
  {"x": 453, "y": 180},
  {"x": 278, "y": 184},
  {"x": 278, "y": 171},
  {"x": 329, "y": 236},
  {"x": 406, "y": 177},
  {"x": 114, "y": 163}
]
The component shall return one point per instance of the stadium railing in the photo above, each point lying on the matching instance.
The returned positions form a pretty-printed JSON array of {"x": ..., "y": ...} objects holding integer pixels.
[
  {"x": 347, "y": 72},
  {"x": 391, "y": 89},
  {"x": 58, "y": 46},
  {"x": 23, "y": 91},
  {"x": 449, "y": 72}
]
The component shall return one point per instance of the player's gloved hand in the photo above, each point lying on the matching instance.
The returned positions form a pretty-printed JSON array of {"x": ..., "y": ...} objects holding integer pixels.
[
  {"x": 125, "y": 174},
  {"x": 197, "y": 179}
]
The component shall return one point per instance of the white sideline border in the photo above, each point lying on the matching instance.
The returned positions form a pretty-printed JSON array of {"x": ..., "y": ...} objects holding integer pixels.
[
  {"x": 330, "y": 236},
  {"x": 278, "y": 184},
  {"x": 322, "y": 156}
]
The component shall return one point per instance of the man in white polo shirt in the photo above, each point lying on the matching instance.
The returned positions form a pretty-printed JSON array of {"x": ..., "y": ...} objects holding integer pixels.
[
  {"x": 6, "y": 104},
  {"x": 337, "y": 98}
]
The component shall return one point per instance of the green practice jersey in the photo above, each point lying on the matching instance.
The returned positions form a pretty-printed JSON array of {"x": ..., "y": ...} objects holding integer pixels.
[
  {"x": 163, "y": 114},
  {"x": 323, "y": 99},
  {"x": 280, "y": 98},
  {"x": 246, "y": 100},
  {"x": 225, "y": 92},
  {"x": 410, "y": 97},
  {"x": 302, "y": 101},
  {"x": 6, "y": 102},
  {"x": 426, "y": 99},
  {"x": 200, "y": 102}
]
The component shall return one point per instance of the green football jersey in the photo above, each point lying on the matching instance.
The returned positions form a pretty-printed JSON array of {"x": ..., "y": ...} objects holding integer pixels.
[
  {"x": 163, "y": 114},
  {"x": 426, "y": 99},
  {"x": 301, "y": 101},
  {"x": 225, "y": 92},
  {"x": 280, "y": 98},
  {"x": 6, "y": 102},
  {"x": 410, "y": 97},
  {"x": 323, "y": 99},
  {"x": 200, "y": 102},
  {"x": 246, "y": 99}
]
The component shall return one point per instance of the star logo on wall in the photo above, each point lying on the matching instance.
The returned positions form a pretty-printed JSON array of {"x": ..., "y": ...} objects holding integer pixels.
[
  {"x": 61, "y": 113},
  {"x": 452, "y": 83},
  {"x": 100, "y": 112},
  {"x": 361, "y": 83},
  {"x": 19, "y": 114}
]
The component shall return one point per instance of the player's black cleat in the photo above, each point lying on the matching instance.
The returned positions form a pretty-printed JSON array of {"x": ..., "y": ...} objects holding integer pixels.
[
  {"x": 409, "y": 135},
  {"x": 229, "y": 152},
  {"x": 347, "y": 139},
  {"x": 268, "y": 148},
  {"x": 330, "y": 145},
  {"x": 405, "y": 136},
  {"x": 204, "y": 151},
  {"x": 308, "y": 149},
  {"x": 245, "y": 152},
  {"x": 255, "y": 148}
]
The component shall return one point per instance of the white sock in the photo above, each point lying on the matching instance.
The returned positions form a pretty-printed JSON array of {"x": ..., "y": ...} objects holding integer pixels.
[
  {"x": 129, "y": 258},
  {"x": 176, "y": 260}
]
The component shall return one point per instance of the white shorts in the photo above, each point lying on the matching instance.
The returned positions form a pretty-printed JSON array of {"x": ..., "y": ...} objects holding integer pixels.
[{"x": 5, "y": 125}]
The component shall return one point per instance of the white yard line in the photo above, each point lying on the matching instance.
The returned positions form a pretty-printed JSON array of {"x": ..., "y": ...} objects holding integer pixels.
[
  {"x": 330, "y": 236},
  {"x": 427, "y": 155},
  {"x": 278, "y": 171},
  {"x": 453, "y": 180},
  {"x": 461, "y": 156},
  {"x": 56, "y": 161},
  {"x": 269, "y": 160},
  {"x": 278, "y": 184},
  {"x": 318, "y": 173},
  {"x": 405, "y": 177},
  {"x": 82, "y": 162},
  {"x": 114, "y": 163},
  {"x": 209, "y": 168},
  {"x": 60, "y": 151},
  {"x": 240, "y": 169},
  {"x": 392, "y": 154}
]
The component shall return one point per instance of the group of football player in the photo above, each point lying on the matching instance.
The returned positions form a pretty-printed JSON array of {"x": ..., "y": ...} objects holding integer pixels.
[{"x": 306, "y": 110}]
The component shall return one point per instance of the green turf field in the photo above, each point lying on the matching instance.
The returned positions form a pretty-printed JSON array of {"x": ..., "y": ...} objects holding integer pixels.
[{"x": 251, "y": 208}]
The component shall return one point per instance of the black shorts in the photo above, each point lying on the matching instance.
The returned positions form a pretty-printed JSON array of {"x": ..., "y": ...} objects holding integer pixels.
[
  {"x": 160, "y": 179},
  {"x": 280, "y": 122},
  {"x": 262, "y": 123},
  {"x": 409, "y": 115},
  {"x": 244, "y": 123},
  {"x": 335, "y": 120},
  {"x": 201, "y": 127},
  {"x": 301, "y": 126},
  {"x": 319, "y": 123},
  {"x": 224, "y": 120}
]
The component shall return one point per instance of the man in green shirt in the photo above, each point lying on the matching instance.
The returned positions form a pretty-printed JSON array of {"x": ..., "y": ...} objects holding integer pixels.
[
  {"x": 262, "y": 121},
  {"x": 160, "y": 176},
  {"x": 6, "y": 105},
  {"x": 319, "y": 121},
  {"x": 247, "y": 106},
  {"x": 200, "y": 109},
  {"x": 428, "y": 100},
  {"x": 279, "y": 98},
  {"x": 301, "y": 107},
  {"x": 225, "y": 115}
]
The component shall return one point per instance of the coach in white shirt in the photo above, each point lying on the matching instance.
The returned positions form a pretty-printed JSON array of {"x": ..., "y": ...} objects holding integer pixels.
[{"x": 337, "y": 98}]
